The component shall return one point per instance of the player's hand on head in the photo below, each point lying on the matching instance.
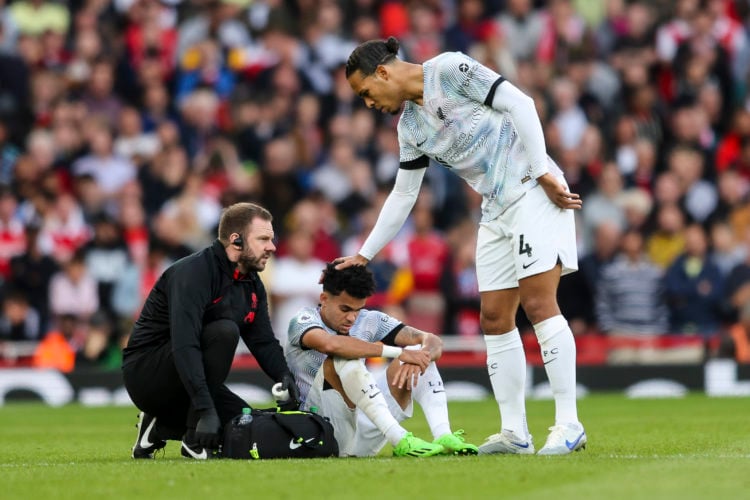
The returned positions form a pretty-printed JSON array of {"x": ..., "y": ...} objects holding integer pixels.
[
  {"x": 207, "y": 430},
  {"x": 419, "y": 358},
  {"x": 352, "y": 260}
]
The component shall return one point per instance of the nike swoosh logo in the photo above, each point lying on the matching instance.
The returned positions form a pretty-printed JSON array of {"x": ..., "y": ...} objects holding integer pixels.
[
  {"x": 145, "y": 443},
  {"x": 419, "y": 144},
  {"x": 574, "y": 443},
  {"x": 526, "y": 266},
  {"x": 293, "y": 445},
  {"x": 203, "y": 455},
  {"x": 436, "y": 391},
  {"x": 550, "y": 361},
  {"x": 521, "y": 445},
  {"x": 375, "y": 395}
]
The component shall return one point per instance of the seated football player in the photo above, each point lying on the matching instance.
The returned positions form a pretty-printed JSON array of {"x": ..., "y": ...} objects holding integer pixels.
[{"x": 326, "y": 351}]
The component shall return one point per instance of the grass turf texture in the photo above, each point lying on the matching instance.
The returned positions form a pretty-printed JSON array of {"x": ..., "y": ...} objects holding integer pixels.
[{"x": 683, "y": 448}]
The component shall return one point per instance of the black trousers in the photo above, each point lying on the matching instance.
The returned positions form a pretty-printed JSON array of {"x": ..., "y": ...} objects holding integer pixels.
[{"x": 153, "y": 384}]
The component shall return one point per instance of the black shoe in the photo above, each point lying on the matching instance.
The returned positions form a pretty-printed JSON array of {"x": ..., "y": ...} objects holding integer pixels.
[
  {"x": 145, "y": 444},
  {"x": 198, "y": 452}
]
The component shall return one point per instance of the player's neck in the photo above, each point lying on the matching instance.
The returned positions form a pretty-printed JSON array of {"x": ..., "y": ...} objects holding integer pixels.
[{"x": 413, "y": 82}]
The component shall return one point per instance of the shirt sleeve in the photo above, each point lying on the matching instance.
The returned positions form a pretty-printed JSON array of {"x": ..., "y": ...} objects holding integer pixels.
[
  {"x": 460, "y": 74},
  {"x": 259, "y": 338},
  {"x": 394, "y": 212},
  {"x": 188, "y": 293},
  {"x": 304, "y": 321}
]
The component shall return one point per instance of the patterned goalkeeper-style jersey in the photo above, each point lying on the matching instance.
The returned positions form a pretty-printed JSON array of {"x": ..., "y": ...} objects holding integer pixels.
[
  {"x": 457, "y": 127},
  {"x": 371, "y": 326}
]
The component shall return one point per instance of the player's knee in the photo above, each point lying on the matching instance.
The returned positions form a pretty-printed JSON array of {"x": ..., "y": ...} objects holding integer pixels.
[
  {"x": 347, "y": 367},
  {"x": 539, "y": 307},
  {"x": 493, "y": 321}
]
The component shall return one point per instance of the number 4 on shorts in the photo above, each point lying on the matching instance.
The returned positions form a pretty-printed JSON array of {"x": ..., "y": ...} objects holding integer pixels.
[{"x": 524, "y": 248}]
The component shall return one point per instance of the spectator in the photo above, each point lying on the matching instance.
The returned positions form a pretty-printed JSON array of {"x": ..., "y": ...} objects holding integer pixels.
[
  {"x": 31, "y": 273},
  {"x": 523, "y": 28},
  {"x": 64, "y": 229},
  {"x": 106, "y": 258},
  {"x": 428, "y": 262},
  {"x": 12, "y": 234},
  {"x": 694, "y": 288},
  {"x": 668, "y": 240},
  {"x": 607, "y": 239},
  {"x": 57, "y": 350},
  {"x": 460, "y": 286},
  {"x": 294, "y": 280},
  {"x": 73, "y": 291},
  {"x": 100, "y": 349},
  {"x": 630, "y": 297},
  {"x": 603, "y": 204},
  {"x": 700, "y": 196},
  {"x": 19, "y": 320},
  {"x": 110, "y": 171},
  {"x": 727, "y": 252}
]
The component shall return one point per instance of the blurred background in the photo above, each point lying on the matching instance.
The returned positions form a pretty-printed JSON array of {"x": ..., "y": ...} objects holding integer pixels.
[{"x": 126, "y": 126}]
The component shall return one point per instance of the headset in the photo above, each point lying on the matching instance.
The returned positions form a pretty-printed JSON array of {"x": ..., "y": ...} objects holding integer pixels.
[{"x": 238, "y": 242}]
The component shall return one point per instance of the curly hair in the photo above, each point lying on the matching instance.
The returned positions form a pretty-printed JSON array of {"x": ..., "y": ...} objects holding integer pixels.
[{"x": 357, "y": 281}]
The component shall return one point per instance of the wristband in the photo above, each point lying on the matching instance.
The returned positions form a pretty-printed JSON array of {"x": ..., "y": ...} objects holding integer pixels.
[{"x": 390, "y": 351}]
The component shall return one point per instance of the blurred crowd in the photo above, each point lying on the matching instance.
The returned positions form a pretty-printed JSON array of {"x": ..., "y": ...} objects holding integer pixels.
[{"x": 126, "y": 126}]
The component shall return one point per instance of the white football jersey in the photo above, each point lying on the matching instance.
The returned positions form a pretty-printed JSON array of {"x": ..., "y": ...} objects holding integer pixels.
[
  {"x": 459, "y": 129},
  {"x": 304, "y": 363}
]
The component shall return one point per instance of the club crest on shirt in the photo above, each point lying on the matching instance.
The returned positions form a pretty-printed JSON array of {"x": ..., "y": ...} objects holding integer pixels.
[{"x": 305, "y": 318}]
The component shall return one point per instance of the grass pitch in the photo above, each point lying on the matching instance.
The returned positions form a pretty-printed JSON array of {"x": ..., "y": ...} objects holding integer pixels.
[{"x": 695, "y": 447}]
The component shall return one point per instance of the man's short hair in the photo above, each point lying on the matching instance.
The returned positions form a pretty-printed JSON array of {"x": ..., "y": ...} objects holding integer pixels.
[
  {"x": 235, "y": 219},
  {"x": 357, "y": 281}
]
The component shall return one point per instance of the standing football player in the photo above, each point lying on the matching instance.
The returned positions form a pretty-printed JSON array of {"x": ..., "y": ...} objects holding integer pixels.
[{"x": 468, "y": 118}]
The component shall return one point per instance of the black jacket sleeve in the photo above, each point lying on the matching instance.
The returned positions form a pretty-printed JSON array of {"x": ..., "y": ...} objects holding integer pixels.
[
  {"x": 189, "y": 291},
  {"x": 259, "y": 338}
]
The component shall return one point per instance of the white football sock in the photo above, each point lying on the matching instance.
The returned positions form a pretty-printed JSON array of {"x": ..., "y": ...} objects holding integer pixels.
[
  {"x": 559, "y": 356},
  {"x": 362, "y": 390},
  {"x": 506, "y": 365},
  {"x": 430, "y": 394}
]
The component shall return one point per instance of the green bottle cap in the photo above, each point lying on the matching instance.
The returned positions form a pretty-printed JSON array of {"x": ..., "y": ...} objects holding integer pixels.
[
  {"x": 313, "y": 409},
  {"x": 246, "y": 411}
]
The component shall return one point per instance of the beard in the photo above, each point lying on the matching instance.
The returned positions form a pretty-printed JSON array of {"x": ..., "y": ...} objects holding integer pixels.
[{"x": 248, "y": 261}]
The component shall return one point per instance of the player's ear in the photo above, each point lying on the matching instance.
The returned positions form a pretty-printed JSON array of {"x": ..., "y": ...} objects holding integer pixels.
[{"x": 382, "y": 72}]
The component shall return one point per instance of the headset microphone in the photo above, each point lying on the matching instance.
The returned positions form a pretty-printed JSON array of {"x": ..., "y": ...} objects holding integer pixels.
[{"x": 238, "y": 242}]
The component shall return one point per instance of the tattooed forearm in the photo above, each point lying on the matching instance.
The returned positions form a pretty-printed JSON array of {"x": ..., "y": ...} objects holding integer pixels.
[{"x": 411, "y": 336}]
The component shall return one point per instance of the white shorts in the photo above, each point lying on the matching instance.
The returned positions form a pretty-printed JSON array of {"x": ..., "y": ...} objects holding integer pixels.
[
  {"x": 527, "y": 239},
  {"x": 356, "y": 435}
]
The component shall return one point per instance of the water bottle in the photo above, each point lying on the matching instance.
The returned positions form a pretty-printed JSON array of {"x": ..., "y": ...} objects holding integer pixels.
[{"x": 246, "y": 418}]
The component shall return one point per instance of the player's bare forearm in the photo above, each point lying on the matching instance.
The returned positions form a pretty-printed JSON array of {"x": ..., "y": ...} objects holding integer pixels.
[
  {"x": 429, "y": 342},
  {"x": 558, "y": 194},
  {"x": 341, "y": 346}
]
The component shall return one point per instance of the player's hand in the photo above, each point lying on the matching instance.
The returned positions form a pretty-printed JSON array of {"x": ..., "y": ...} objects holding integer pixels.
[
  {"x": 207, "y": 430},
  {"x": 407, "y": 376},
  {"x": 558, "y": 193},
  {"x": 288, "y": 384},
  {"x": 352, "y": 260},
  {"x": 419, "y": 358}
]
